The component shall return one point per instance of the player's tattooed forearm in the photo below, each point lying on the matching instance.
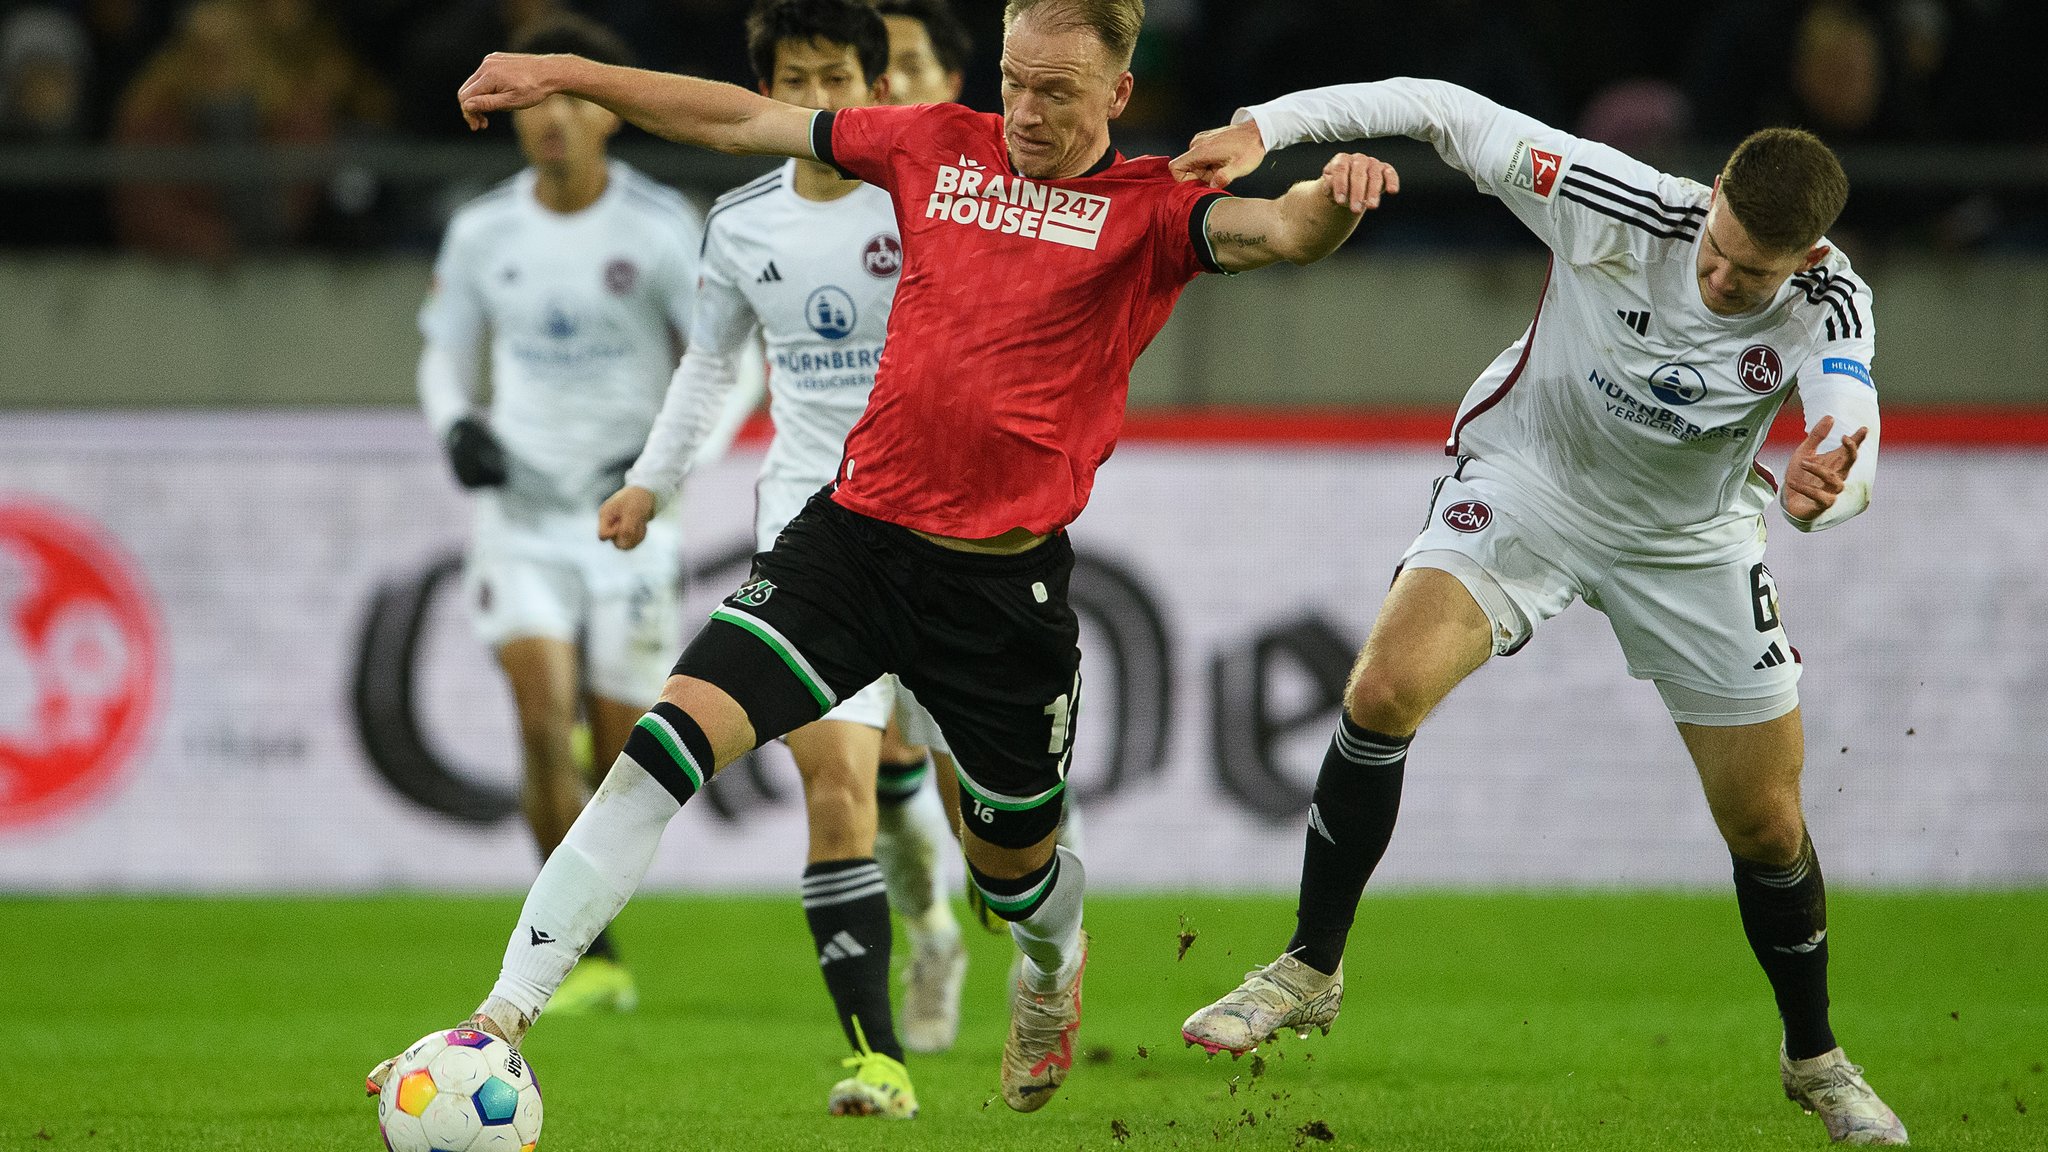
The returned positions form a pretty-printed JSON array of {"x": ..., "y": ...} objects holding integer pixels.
[{"x": 1241, "y": 238}]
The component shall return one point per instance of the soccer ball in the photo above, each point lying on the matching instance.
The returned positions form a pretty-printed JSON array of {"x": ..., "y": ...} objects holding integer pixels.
[{"x": 460, "y": 1091}]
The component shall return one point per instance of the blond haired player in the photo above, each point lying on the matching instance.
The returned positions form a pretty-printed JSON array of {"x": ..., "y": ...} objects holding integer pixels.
[{"x": 1038, "y": 262}]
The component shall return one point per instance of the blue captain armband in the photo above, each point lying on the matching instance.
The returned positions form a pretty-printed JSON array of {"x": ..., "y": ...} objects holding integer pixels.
[{"x": 1854, "y": 369}]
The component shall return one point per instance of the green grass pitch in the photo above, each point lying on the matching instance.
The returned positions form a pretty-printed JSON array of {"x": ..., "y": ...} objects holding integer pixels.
[{"x": 1472, "y": 1021}]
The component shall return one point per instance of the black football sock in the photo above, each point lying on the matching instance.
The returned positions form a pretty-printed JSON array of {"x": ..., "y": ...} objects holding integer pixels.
[
  {"x": 847, "y": 905},
  {"x": 1350, "y": 821},
  {"x": 1785, "y": 916},
  {"x": 897, "y": 782}
]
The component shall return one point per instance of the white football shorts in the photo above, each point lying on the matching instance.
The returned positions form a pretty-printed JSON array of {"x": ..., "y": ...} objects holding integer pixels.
[
  {"x": 550, "y": 576},
  {"x": 1707, "y": 633},
  {"x": 916, "y": 725}
]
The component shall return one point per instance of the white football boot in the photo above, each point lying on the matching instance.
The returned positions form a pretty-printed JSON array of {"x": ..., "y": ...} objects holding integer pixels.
[
  {"x": 1284, "y": 994},
  {"x": 931, "y": 993},
  {"x": 1830, "y": 1085},
  {"x": 1040, "y": 1050}
]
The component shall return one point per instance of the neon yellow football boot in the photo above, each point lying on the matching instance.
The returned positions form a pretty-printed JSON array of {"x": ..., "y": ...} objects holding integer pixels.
[
  {"x": 880, "y": 1086},
  {"x": 595, "y": 985}
]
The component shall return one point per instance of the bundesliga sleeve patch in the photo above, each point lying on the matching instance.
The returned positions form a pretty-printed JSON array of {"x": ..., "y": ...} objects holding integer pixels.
[
  {"x": 1533, "y": 170},
  {"x": 1854, "y": 369}
]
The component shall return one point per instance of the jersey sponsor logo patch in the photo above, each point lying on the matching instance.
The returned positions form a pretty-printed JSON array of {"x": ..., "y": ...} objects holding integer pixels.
[
  {"x": 1622, "y": 404},
  {"x": 1759, "y": 369},
  {"x": 1854, "y": 369},
  {"x": 883, "y": 256},
  {"x": 1468, "y": 516},
  {"x": 79, "y": 668},
  {"x": 1678, "y": 384},
  {"x": 830, "y": 313},
  {"x": 1533, "y": 170},
  {"x": 620, "y": 276},
  {"x": 1013, "y": 206}
]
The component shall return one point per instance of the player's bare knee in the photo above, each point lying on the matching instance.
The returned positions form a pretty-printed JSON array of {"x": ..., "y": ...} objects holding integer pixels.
[
  {"x": 724, "y": 722},
  {"x": 1380, "y": 703},
  {"x": 1772, "y": 836},
  {"x": 831, "y": 796},
  {"x": 1013, "y": 882},
  {"x": 1007, "y": 863}
]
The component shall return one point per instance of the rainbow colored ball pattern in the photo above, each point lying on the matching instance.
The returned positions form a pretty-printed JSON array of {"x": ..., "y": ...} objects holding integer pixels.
[{"x": 460, "y": 1091}]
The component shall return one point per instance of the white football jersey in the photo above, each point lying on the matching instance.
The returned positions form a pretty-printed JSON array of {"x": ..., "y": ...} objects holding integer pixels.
[
  {"x": 815, "y": 279},
  {"x": 584, "y": 311},
  {"x": 1635, "y": 409}
]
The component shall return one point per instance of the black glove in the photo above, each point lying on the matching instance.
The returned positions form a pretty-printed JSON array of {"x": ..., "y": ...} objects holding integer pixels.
[{"x": 474, "y": 451}]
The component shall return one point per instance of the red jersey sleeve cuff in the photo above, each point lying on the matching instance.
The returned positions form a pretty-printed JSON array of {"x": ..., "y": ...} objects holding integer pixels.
[
  {"x": 821, "y": 142},
  {"x": 1198, "y": 233}
]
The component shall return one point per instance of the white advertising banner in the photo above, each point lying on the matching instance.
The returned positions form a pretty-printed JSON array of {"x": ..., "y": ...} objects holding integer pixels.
[{"x": 233, "y": 656}]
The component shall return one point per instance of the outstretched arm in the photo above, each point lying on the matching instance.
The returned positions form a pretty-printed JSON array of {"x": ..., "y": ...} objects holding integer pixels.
[
  {"x": 1307, "y": 223},
  {"x": 1468, "y": 130},
  {"x": 721, "y": 117}
]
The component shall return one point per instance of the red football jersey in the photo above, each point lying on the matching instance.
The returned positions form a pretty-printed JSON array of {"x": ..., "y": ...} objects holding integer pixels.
[{"x": 1022, "y": 306}]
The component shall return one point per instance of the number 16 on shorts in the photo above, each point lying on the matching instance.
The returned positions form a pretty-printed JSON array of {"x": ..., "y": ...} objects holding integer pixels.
[{"x": 1061, "y": 712}]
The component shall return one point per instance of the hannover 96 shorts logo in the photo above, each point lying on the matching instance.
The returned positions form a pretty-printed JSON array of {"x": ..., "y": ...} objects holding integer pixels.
[
  {"x": 78, "y": 661},
  {"x": 754, "y": 595}
]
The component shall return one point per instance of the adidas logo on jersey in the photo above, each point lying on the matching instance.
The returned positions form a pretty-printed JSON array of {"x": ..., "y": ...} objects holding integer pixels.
[
  {"x": 1773, "y": 656},
  {"x": 769, "y": 275},
  {"x": 1639, "y": 321}
]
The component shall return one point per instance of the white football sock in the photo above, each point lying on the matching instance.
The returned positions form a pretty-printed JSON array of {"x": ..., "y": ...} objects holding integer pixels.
[
  {"x": 1050, "y": 938},
  {"x": 1070, "y": 827},
  {"x": 581, "y": 887},
  {"x": 909, "y": 839}
]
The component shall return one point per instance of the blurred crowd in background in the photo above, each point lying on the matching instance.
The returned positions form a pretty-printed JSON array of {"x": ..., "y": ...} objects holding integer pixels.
[{"x": 1651, "y": 79}]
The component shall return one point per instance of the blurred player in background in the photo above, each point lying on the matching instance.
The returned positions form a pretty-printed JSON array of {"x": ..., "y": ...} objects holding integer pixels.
[
  {"x": 928, "y": 51},
  {"x": 581, "y": 274},
  {"x": 1610, "y": 455},
  {"x": 809, "y": 259},
  {"x": 1038, "y": 263}
]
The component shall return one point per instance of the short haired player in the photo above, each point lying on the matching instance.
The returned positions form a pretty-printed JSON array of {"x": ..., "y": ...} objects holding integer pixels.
[
  {"x": 1610, "y": 455},
  {"x": 1038, "y": 263},
  {"x": 808, "y": 260},
  {"x": 578, "y": 273},
  {"x": 928, "y": 53}
]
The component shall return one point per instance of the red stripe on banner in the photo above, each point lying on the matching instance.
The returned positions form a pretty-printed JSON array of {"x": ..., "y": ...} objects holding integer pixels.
[
  {"x": 756, "y": 432},
  {"x": 1977, "y": 426}
]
